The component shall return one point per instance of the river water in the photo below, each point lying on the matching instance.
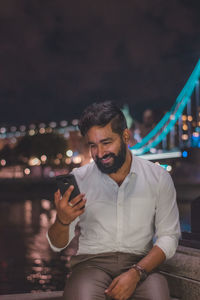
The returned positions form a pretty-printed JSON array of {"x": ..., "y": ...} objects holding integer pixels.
[{"x": 27, "y": 264}]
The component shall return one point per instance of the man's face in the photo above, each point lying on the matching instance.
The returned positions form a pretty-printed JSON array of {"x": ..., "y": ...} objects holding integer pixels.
[{"x": 107, "y": 148}]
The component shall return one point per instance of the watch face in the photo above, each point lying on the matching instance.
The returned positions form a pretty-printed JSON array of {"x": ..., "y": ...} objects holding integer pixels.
[{"x": 143, "y": 275}]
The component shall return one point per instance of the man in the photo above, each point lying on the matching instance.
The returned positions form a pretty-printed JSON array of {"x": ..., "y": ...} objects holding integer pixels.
[{"x": 125, "y": 204}]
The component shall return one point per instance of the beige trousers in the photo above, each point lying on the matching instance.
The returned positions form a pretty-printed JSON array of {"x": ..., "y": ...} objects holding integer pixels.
[{"x": 92, "y": 274}]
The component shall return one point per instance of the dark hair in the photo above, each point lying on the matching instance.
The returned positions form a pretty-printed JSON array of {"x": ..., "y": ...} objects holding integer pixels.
[{"x": 100, "y": 114}]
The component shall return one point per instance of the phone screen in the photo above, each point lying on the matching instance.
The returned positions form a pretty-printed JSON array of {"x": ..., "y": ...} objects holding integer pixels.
[{"x": 64, "y": 182}]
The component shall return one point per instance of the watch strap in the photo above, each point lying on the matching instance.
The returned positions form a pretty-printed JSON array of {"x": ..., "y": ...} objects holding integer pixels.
[{"x": 141, "y": 271}]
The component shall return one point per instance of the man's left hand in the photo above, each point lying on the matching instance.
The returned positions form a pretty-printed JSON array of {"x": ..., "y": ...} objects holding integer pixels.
[{"x": 123, "y": 286}]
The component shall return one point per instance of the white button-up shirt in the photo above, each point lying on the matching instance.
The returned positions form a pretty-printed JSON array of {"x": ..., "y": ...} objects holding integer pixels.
[{"x": 129, "y": 218}]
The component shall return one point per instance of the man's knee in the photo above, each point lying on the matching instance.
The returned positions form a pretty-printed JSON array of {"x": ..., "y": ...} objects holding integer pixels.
[
  {"x": 155, "y": 287},
  {"x": 86, "y": 284}
]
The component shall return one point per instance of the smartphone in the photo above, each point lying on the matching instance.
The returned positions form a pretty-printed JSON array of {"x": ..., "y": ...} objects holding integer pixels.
[{"x": 64, "y": 182}]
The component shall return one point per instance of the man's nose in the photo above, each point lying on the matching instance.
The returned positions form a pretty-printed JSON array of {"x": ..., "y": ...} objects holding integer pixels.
[{"x": 100, "y": 151}]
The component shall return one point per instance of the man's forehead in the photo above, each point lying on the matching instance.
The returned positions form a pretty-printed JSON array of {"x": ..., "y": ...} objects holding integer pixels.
[{"x": 99, "y": 132}]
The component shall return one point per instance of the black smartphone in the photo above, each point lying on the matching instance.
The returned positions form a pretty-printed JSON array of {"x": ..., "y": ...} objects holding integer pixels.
[{"x": 64, "y": 182}]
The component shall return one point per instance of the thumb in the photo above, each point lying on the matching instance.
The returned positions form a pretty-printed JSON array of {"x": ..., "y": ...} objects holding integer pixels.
[{"x": 112, "y": 285}]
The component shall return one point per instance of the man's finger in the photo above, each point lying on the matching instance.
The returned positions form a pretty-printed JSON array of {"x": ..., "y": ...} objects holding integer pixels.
[
  {"x": 57, "y": 197},
  {"x": 77, "y": 199},
  {"x": 79, "y": 212},
  {"x": 68, "y": 192},
  {"x": 112, "y": 285},
  {"x": 80, "y": 204}
]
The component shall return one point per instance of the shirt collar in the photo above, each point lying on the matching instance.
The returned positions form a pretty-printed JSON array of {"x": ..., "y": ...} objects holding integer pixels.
[{"x": 133, "y": 168}]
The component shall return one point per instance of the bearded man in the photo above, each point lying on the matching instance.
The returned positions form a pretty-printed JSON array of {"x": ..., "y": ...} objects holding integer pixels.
[{"x": 127, "y": 214}]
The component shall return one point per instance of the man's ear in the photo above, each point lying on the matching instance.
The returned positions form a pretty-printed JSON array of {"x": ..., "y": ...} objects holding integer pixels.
[{"x": 126, "y": 135}]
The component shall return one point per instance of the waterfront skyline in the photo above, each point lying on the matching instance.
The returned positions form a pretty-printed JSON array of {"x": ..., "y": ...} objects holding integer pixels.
[{"x": 58, "y": 57}]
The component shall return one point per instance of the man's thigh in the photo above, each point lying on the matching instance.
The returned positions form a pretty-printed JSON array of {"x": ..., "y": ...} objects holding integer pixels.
[
  {"x": 155, "y": 287},
  {"x": 87, "y": 283}
]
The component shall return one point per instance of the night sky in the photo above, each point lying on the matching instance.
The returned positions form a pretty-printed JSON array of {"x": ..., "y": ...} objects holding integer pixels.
[{"x": 57, "y": 56}]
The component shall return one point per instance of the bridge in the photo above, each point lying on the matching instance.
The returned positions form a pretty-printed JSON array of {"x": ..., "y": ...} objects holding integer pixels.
[{"x": 178, "y": 129}]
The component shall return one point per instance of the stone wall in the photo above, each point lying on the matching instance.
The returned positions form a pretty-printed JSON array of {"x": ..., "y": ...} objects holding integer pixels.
[{"x": 183, "y": 273}]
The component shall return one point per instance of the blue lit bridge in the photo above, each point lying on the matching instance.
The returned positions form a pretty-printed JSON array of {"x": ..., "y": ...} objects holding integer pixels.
[{"x": 177, "y": 130}]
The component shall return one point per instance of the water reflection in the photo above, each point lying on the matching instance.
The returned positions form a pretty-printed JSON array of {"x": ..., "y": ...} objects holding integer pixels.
[{"x": 26, "y": 261}]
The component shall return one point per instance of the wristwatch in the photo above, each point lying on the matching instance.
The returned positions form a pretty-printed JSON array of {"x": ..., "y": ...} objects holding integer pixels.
[{"x": 141, "y": 271}]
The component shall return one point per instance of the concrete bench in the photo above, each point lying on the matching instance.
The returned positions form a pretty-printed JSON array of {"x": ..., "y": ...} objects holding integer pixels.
[
  {"x": 34, "y": 296},
  {"x": 183, "y": 273},
  {"x": 38, "y": 296}
]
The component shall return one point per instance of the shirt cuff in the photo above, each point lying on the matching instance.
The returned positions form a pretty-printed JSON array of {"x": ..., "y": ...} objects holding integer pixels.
[
  {"x": 56, "y": 249},
  {"x": 168, "y": 245}
]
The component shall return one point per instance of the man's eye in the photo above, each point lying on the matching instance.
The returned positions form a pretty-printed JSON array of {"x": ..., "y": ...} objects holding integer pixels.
[{"x": 106, "y": 143}]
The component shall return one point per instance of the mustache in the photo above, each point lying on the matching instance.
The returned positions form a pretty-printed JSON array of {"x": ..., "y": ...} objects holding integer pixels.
[{"x": 105, "y": 156}]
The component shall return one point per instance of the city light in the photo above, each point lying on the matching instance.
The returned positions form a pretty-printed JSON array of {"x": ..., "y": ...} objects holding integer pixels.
[
  {"x": 75, "y": 122},
  {"x": 153, "y": 150},
  {"x": 185, "y": 137},
  {"x": 43, "y": 158},
  {"x": 77, "y": 159},
  {"x": 169, "y": 168},
  {"x": 63, "y": 123},
  {"x": 52, "y": 124},
  {"x": 13, "y": 140},
  {"x": 22, "y": 128},
  {"x": 195, "y": 134},
  {"x": 32, "y": 126},
  {"x": 27, "y": 171},
  {"x": 185, "y": 127},
  {"x": 59, "y": 155},
  {"x": 42, "y": 125},
  {"x": 69, "y": 153},
  {"x": 185, "y": 154},
  {"x": 49, "y": 130},
  {"x": 57, "y": 161},
  {"x": 172, "y": 117},
  {"x": 3, "y": 162},
  {"x": 34, "y": 162},
  {"x": 68, "y": 161},
  {"x": 42, "y": 130},
  {"x": 31, "y": 132},
  {"x": 51, "y": 174},
  {"x": 13, "y": 128},
  {"x": 190, "y": 118},
  {"x": 2, "y": 130}
]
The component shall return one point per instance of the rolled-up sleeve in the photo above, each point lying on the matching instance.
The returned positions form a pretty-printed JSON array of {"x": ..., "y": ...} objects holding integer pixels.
[
  {"x": 71, "y": 236},
  {"x": 167, "y": 226}
]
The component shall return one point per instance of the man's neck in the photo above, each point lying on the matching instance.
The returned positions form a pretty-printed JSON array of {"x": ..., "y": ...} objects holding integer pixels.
[{"x": 121, "y": 174}]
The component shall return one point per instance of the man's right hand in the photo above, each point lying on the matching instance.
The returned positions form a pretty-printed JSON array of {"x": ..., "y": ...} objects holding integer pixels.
[{"x": 65, "y": 212}]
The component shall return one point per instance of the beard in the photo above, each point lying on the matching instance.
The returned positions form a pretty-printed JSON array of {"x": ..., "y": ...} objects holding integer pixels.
[{"x": 118, "y": 160}]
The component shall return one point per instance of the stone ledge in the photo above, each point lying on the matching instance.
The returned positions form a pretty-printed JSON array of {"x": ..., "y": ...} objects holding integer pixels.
[
  {"x": 34, "y": 296},
  {"x": 38, "y": 296},
  {"x": 183, "y": 273}
]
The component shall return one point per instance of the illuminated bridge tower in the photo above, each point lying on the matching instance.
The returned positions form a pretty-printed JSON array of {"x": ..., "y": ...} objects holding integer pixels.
[{"x": 180, "y": 127}]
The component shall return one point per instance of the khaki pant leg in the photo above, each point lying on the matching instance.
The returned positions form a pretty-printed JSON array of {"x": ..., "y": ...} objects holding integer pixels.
[
  {"x": 155, "y": 287},
  {"x": 87, "y": 283}
]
